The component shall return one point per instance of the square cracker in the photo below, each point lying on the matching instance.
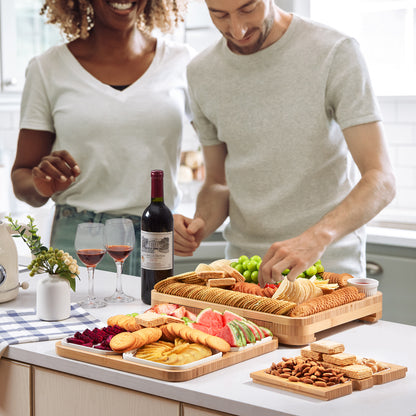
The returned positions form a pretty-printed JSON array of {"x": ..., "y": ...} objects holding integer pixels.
[
  {"x": 306, "y": 352},
  {"x": 342, "y": 358},
  {"x": 151, "y": 319},
  {"x": 327, "y": 347}
]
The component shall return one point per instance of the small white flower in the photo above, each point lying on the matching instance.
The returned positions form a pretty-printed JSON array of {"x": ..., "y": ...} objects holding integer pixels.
[{"x": 72, "y": 268}]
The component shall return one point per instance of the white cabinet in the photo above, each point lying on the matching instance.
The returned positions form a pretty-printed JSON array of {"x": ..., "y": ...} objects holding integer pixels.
[
  {"x": 15, "y": 388},
  {"x": 397, "y": 276},
  {"x": 66, "y": 395},
  {"x": 189, "y": 410}
]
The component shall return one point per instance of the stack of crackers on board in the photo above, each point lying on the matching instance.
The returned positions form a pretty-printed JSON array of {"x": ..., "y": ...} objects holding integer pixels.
[
  {"x": 332, "y": 354},
  {"x": 164, "y": 339},
  {"x": 220, "y": 283}
]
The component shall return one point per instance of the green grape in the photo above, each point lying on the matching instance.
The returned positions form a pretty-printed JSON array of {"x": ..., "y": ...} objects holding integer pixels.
[
  {"x": 302, "y": 275},
  {"x": 251, "y": 265},
  {"x": 242, "y": 259},
  {"x": 255, "y": 276},
  {"x": 256, "y": 258},
  {"x": 247, "y": 275},
  {"x": 233, "y": 264},
  {"x": 239, "y": 267},
  {"x": 317, "y": 262},
  {"x": 245, "y": 264},
  {"x": 319, "y": 268},
  {"x": 285, "y": 272},
  {"x": 311, "y": 271}
]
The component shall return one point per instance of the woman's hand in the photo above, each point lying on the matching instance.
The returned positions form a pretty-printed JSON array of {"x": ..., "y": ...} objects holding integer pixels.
[{"x": 55, "y": 173}]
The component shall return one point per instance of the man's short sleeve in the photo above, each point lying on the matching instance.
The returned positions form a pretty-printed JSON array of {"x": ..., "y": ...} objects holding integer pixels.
[
  {"x": 206, "y": 130},
  {"x": 349, "y": 95}
]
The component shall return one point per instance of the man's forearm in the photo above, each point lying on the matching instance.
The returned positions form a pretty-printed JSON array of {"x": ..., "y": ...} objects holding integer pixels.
[
  {"x": 212, "y": 206},
  {"x": 372, "y": 193}
]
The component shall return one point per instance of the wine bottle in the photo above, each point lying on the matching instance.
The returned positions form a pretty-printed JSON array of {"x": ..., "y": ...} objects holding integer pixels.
[{"x": 156, "y": 239}]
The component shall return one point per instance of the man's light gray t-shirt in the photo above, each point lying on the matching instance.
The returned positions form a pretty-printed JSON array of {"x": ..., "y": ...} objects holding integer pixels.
[{"x": 281, "y": 112}]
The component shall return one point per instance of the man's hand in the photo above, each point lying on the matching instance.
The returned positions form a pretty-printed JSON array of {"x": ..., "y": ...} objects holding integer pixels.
[
  {"x": 188, "y": 234},
  {"x": 55, "y": 173},
  {"x": 296, "y": 254}
]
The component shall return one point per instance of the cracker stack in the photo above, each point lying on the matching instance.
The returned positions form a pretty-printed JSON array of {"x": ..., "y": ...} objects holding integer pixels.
[{"x": 333, "y": 356}]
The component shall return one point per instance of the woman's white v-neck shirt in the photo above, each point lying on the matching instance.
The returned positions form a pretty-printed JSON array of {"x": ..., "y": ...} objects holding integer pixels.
[{"x": 116, "y": 137}]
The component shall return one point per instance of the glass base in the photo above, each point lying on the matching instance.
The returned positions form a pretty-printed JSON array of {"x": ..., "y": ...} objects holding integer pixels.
[
  {"x": 92, "y": 303},
  {"x": 118, "y": 297}
]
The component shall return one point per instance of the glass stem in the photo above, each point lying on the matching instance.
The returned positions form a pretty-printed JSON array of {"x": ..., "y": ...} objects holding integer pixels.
[
  {"x": 119, "y": 266},
  {"x": 91, "y": 271}
]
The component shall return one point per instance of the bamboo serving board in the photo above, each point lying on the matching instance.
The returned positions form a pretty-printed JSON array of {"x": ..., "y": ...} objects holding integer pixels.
[
  {"x": 117, "y": 362},
  {"x": 394, "y": 372},
  {"x": 291, "y": 331},
  {"x": 322, "y": 393}
]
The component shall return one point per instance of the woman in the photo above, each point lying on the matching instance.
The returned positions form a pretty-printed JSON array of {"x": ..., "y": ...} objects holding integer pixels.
[{"x": 100, "y": 112}]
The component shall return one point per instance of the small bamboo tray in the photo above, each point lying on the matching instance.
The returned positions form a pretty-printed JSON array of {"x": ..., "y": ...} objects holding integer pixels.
[
  {"x": 394, "y": 372},
  {"x": 117, "y": 362},
  {"x": 290, "y": 331}
]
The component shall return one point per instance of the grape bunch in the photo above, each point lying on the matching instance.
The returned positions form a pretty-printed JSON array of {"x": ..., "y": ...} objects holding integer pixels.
[{"x": 249, "y": 268}]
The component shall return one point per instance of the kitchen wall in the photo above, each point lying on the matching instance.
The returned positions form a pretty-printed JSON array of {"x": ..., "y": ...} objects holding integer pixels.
[{"x": 400, "y": 125}]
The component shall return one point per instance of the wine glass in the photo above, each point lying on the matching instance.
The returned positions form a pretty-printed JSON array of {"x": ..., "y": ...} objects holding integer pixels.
[
  {"x": 90, "y": 248},
  {"x": 119, "y": 238}
]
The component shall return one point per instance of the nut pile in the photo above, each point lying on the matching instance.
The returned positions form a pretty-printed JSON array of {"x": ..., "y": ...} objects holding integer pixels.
[{"x": 308, "y": 371}]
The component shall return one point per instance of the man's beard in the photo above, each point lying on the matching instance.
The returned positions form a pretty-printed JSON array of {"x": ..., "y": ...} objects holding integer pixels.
[{"x": 247, "y": 50}]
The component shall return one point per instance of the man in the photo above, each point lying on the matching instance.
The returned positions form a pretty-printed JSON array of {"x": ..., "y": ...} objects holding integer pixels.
[{"x": 286, "y": 114}]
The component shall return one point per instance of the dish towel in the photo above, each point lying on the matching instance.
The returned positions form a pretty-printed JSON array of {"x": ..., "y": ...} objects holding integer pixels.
[{"x": 23, "y": 325}]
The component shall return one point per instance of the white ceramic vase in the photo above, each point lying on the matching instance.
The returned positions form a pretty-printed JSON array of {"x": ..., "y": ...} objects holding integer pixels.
[{"x": 53, "y": 298}]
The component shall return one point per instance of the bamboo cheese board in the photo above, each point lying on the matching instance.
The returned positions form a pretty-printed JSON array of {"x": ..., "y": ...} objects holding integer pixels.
[
  {"x": 290, "y": 330},
  {"x": 394, "y": 372},
  {"x": 117, "y": 362}
]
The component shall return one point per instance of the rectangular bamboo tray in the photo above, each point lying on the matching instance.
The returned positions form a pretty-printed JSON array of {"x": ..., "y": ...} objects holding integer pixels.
[
  {"x": 290, "y": 331},
  {"x": 394, "y": 372},
  {"x": 117, "y": 362}
]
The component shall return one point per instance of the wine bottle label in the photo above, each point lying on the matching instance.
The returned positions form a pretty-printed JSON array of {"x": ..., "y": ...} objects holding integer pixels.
[{"x": 156, "y": 250}]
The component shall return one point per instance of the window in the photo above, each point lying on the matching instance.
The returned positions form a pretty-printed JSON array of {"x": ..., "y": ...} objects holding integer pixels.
[
  {"x": 24, "y": 34},
  {"x": 386, "y": 30}
]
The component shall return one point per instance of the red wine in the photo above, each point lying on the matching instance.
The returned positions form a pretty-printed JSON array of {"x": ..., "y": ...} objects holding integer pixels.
[
  {"x": 156, "y": 239},
  {"x": 119, "y": 252},
  {"x": 91, "y": 257}
]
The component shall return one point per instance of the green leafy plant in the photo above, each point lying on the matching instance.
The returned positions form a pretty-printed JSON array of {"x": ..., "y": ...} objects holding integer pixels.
[{"x": 46, "y": 260}]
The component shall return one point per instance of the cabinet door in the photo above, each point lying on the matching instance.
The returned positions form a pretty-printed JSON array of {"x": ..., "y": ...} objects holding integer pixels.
[
  {"x": 397, "y": 282},
  {"x": 189, "y": 410},
  {"x": 65, "y": 395},
  {"x": 15, "y": 393}
]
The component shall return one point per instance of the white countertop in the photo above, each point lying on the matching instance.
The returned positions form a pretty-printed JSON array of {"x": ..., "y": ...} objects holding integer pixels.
[{"x": 231, "y": 389}]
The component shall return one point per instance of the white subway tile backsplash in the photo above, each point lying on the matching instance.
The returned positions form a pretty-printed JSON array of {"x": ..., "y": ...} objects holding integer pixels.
[
  {"x": 406, "y": 156},
  {"x": 388, "y": 109},
  {"x": 406, "y": 177},
  {"x": 6, "y": 120},
  {"x": 399, "y": 133},
  {"x": 406, "y": 198},
  {"x": 406, "y": 110}
]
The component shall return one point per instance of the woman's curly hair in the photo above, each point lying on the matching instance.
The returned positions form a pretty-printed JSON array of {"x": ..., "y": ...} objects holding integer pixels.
[{"x": 75, "y": 18}]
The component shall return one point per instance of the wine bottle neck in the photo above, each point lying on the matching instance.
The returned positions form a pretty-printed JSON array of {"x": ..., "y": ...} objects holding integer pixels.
[{"x": 157, "y": 187}]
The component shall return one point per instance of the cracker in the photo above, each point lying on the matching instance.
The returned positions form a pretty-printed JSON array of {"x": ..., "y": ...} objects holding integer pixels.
[
  {"x": 217, "y": 282},
  {"x": 327, "y": 346},
  {"x": 308, "y": 353},
  {"x": 151, "y": 319},
  {"x": 217, "y": 343},
  {"x": 342, "y": 358},
  {"x": 122, "y": 342}
]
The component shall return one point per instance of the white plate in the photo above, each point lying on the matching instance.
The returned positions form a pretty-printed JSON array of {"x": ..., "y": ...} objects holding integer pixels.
[
  {"x": 129, "y": 356},
  {"x": 252, "y": 344},
  {"x": 90, "y": 349}
]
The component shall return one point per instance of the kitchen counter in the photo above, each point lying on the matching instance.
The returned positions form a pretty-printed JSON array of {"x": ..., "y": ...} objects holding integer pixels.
[{"x": 231, "y": 390}]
